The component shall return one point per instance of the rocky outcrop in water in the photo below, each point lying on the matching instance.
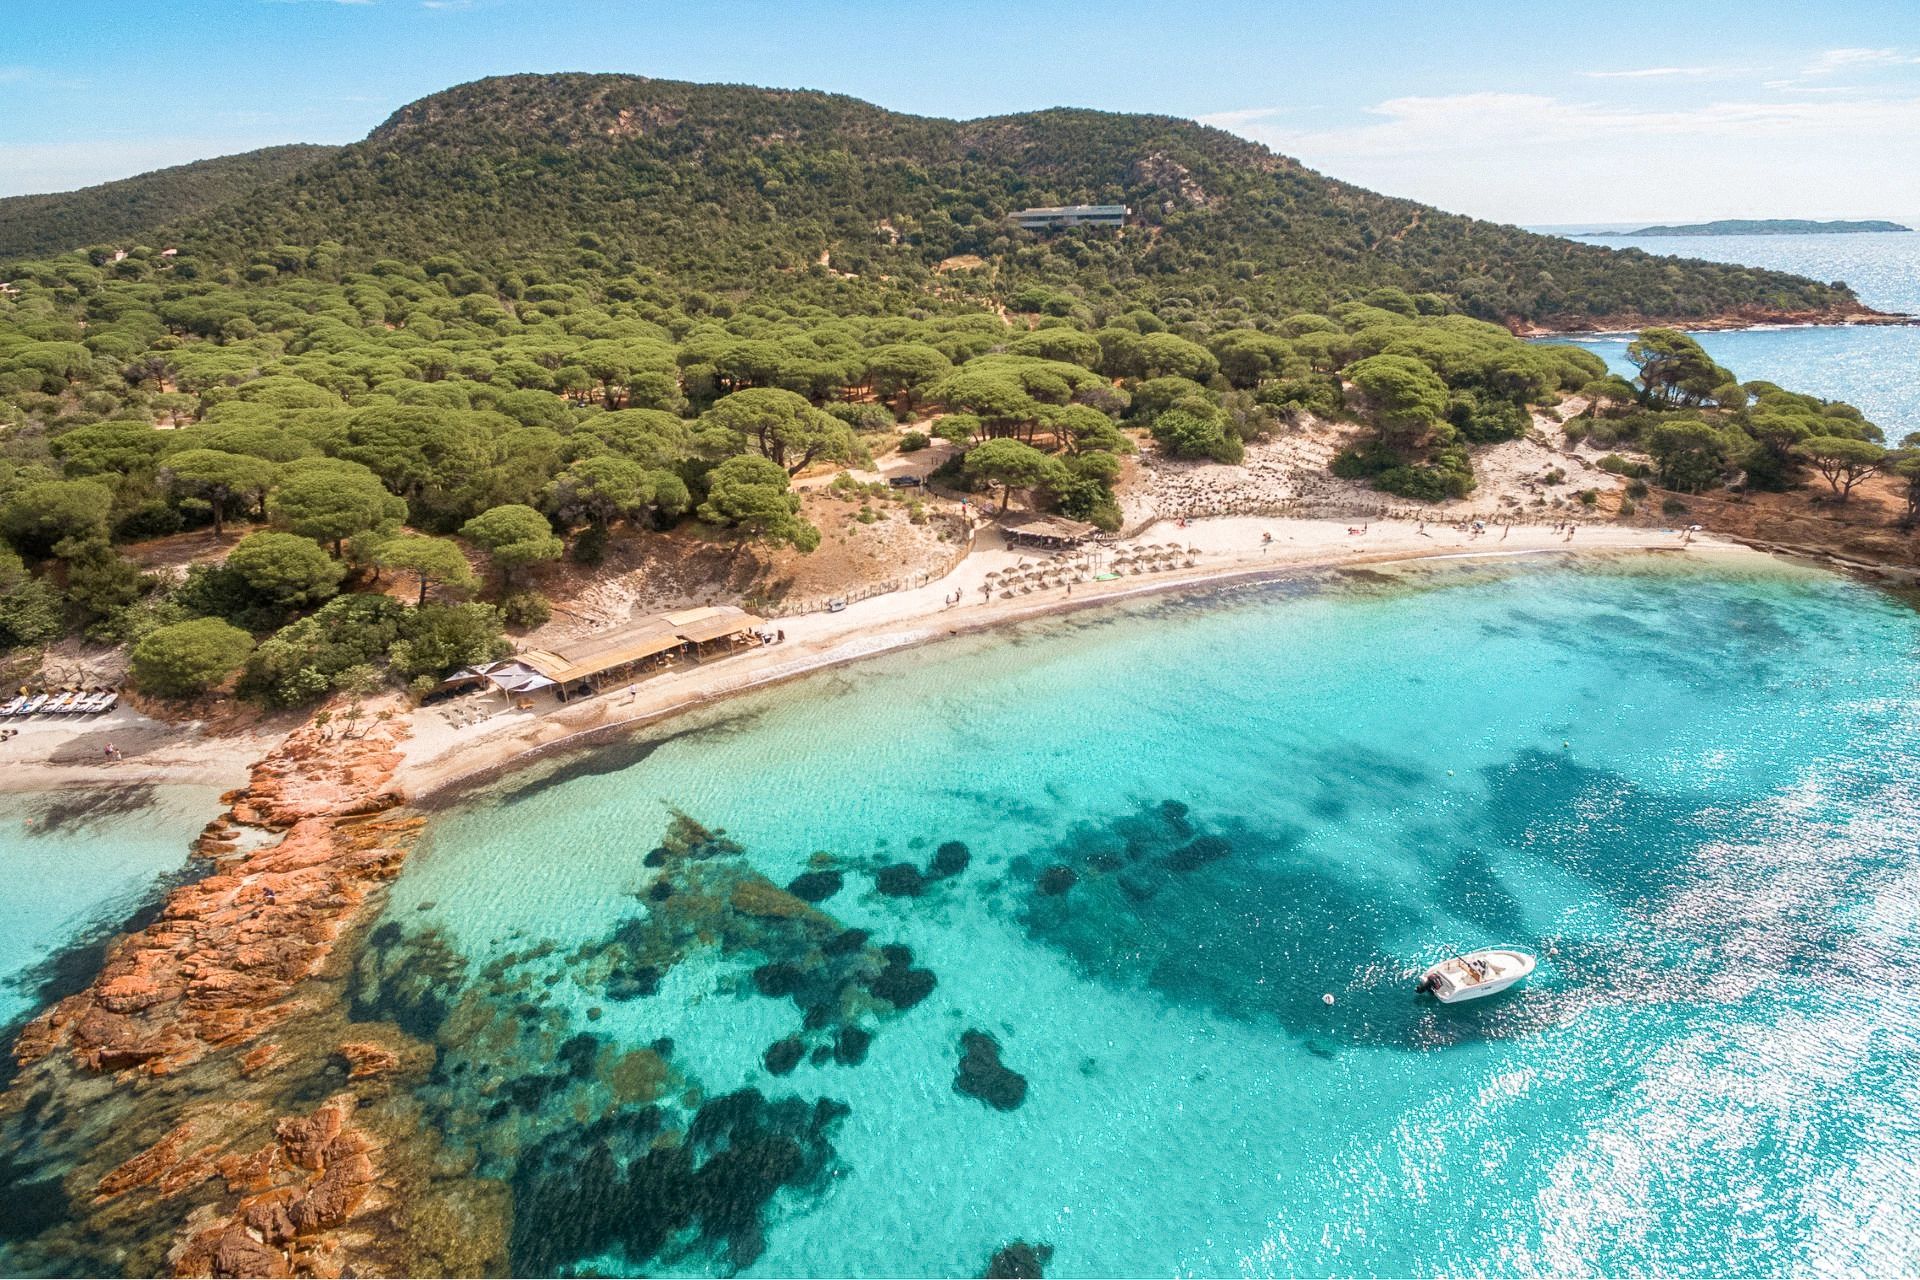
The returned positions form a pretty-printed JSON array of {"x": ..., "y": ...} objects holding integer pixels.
[
  {"x": 982, "y": 1075},
  {"x": 203, "y": 1108},
  {"x": 219, "y": 967},
  {"x": 1019, "y": 1261}
]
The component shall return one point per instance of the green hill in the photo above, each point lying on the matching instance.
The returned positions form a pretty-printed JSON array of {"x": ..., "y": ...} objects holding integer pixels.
[
  {"x": 38, "y": 225},
  {"x": 721, "y": 187},
  {"x": 1761, "y": 227}
]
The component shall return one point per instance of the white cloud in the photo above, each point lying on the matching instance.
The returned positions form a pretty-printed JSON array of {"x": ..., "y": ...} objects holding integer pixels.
[
  {"x": 1834, "y": 60},
  {"x": 1536, "y": 158},
  {"x": 1648, "y": 73}
]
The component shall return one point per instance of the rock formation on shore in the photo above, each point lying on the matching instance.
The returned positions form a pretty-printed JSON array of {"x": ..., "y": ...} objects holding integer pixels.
[{"x": 204, "y": 1107}]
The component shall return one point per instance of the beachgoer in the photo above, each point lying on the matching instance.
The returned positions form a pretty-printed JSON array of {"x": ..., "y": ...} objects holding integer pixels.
[
  {"x": 268, "y": 894},
  {"x": 780, "y": 637}
]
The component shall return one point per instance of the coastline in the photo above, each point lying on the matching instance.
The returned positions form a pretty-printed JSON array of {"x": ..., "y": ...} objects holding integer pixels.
[
  {"x": 1595, "y": 326},
  {"x": 437, "y": 760},
  {"x": 233, "y": 993}
]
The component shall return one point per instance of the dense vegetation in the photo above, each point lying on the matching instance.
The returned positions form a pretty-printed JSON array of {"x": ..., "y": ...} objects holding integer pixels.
[
  {"x": 34, "y": 226},
  {"x": 727, "y": 187},
  {"x": 668, "y": 351},
  {"x": 1703, "y": 428}
]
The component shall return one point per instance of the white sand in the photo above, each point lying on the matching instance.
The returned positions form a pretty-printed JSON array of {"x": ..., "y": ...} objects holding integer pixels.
[{"x": 439, "y": 753}]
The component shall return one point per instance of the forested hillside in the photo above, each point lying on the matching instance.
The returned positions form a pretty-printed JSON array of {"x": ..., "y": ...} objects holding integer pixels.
[
  {"x": 534, "y": 317},
  {"x": 721, "y": 187},
  {"x": 34, "y": 226}
]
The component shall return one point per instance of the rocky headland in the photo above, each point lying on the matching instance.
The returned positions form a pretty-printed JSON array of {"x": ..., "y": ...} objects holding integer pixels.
[{"x": 204, "y": 1108}]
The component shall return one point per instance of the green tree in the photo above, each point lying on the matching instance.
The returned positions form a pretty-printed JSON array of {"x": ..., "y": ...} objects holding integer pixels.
[
  {"x": 187, "y": 658},
  {"x": 30, "y": 611},
  {"x": 1408, "y": 399},
  {"x": 116, "y": 447},
  {"x": 431, "y": 560},
  {"x": 753, "y": 494},
  {"x": 1009, "y": 465},
  {"x": 1191, "y": 435},
  {"x": 290, "y": 570},
  {"x": 605, "y": 489},
  {"x": 332, "y": 500},
  {"x": 1843, "y": 460},
  {"x": 902, "y": 370},
  {"x": 783, "y": 427},
  {"x": 39, "y": 517},
  {"x": 1674, "y": 369},
  {"x": 219, "y": 478},
  {"x": 1689, "y": 455},
  {"x": 515, "y": 537}
]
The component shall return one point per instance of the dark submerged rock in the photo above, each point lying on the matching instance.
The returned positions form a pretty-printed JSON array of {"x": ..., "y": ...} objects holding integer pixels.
[
  {"x": 1057, "y": 879},
  {"x": 1198, "y": 852},
  {"x": 1019, "y": 1261},
  {"x": 900, "y": 880},
  {"x": 778, "y": 979},
  {"x": 982, "y": 1075},
  {"x": 633, "y": 984},
  {"x": 950, "y": 859},
  {"x": 846, "y": 942},
  {"x": 784, "y": 1055},
  {"x": 850, "y": 1046},
  {"x": 902, "y": 987},
  {"x": 816, "y": 886}
]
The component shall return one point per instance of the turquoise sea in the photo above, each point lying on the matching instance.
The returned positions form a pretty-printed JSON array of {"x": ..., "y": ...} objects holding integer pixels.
[
  {"x": 1875, "y": 368},
  {"x": 1086, "y": 887},
  {"x": 78, "y": 866}
]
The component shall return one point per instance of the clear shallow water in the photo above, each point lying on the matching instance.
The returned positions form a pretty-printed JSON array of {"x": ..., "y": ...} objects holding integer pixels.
[
  {"x": 1692, "y": 791},
  {"x": 1875, "y": 368},
  {"x": 76, "y": 866}
]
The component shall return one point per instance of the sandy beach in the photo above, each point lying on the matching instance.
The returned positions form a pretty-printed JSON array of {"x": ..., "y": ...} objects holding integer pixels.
[
  {"x": 48, "y": 754},
  {"x": 440, "y": 753},
  {"x": 52, "y": 754}
]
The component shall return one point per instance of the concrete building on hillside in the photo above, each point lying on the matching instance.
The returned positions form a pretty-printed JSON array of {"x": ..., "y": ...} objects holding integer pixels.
[{"x": 1051, "y": 217}]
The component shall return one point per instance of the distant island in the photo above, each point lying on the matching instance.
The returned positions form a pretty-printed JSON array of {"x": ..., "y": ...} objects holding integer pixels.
[{"x": 1762, "y": 227}]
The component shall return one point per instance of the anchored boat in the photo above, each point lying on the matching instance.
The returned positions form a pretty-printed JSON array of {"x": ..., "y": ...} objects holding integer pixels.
[{"x": 1476, "y": 974}]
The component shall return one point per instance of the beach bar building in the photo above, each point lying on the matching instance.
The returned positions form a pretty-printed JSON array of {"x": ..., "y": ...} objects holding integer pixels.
[
  {"x": 585, "y": 668},
  {"x": 1052, "y": 532},
  {"x": 1050, "y": 217}
]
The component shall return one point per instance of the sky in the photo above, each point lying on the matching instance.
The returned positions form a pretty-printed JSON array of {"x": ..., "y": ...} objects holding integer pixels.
[{"x": 1532, "y": 113}]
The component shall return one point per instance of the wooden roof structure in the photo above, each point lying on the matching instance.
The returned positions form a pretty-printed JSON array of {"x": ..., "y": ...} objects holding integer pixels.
[
  {"x": 1052, "y": 529},
  {"x": 698, "y": 626},
  {"x": 638, "y": 641}
]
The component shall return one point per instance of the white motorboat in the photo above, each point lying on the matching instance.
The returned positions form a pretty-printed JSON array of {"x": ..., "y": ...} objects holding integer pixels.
[{"x": 1476, "y": 974}]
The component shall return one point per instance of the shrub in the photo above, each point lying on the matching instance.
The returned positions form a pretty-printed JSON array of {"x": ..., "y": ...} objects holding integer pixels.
[
  {"x": 863, "y": 417},
  {"x": 301, "y": 661},
  {"x": 913, "y": 442},
  {"x": 1614, "y": 464},
  {"x": 526, "y": 609},
  {"x": 1188, "y": 435},
  {"x": 1448, "y": 475},
  {"x": 1590, "y": 497},
  {"x": 187, "y": 658},
  {"x": 1636, "y": 488},
  {"x": 1673, "y": 507}
]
